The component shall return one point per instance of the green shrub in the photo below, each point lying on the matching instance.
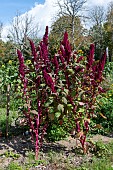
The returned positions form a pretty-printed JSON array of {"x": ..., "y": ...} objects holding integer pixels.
[
  {"x": 105, "y": 108},
  {"x": 12, "y": 116},
  {"x": 56, "y": 132}
]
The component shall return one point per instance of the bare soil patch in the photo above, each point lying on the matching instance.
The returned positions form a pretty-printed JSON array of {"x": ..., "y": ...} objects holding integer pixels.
[{"x": 57, "y": 155}]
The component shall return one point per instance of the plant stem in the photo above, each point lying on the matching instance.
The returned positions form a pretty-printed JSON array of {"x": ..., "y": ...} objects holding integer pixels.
[{"x": 7, "y": 110}]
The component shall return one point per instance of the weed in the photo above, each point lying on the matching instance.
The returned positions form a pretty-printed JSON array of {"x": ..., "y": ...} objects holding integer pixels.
[
  {"x": 14, "y": 166},
  {"x": 11, "y": 154}
]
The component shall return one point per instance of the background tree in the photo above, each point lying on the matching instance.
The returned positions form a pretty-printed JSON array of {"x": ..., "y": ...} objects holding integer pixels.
[
  {"x": 22, "y": 28},
  {"x": 63, "y": 24},
  {"x": 71, "y": 10},
  {"x": 97, "y": 18},
  {"x": 108, "y": 26}
]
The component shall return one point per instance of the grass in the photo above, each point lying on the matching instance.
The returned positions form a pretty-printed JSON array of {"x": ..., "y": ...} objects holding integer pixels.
[
  {"x": 14, "y": 166},
  {"x": 97, "y": 164},
  {"x": 102, "y": 159}
]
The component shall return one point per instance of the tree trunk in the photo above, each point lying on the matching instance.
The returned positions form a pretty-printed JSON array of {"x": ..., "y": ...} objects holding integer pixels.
[{"x": 73, "y": 30}]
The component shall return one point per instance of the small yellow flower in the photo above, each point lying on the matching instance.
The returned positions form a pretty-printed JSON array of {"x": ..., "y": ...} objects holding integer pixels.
[
  {"x": 28, "y": 62},
  {"x": 110, "y": 95},
  {"x": 3, "y": 66},
  {"x": 10, "y": 62},
  {"x": 80, "y": 52}
]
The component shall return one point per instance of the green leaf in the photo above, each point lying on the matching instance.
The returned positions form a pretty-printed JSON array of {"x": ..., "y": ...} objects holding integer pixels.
[
  {"x": 73, "y": 93},
  {"x": 19, "y": 81},
  {"x": 66, "y": 91},
  {"x": 81, "y": 110},
  {"x": 57, "y": 114},
  {"x": 61, "y": 107},
  {"x": 61, "y": 84},
  {"x": 64, "y": 100},
  {"x": 51, "y": 109},
  {"x": 15, "y": 74},
  {"x": 42, "y": 85},
  {"x": 69, "y": 105},
  {"x": 71, "y": 71},
  {"x": 81, "y": 65},
  {"x": 49, "y": 103}
]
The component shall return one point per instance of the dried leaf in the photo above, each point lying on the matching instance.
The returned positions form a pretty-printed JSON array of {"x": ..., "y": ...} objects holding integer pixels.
[
  {"x": 98, "y": 126},
  {"x": 51, "y": 116},
  {"x": 88, "y": 120},
  {"x": 103, "y": 116},
  {"x": 27, "y": 105},
  {"x": 34, "y": 112},
  {"x": 79, "y": 134}
]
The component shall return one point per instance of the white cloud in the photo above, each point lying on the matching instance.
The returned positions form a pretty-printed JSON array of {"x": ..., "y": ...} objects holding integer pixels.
[
  {"x": 44, "y": 13},
  {"x": 98, "y": 2}
]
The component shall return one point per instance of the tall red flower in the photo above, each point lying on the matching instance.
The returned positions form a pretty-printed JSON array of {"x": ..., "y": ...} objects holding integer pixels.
[
  {"x": 90, "y": 57},
  {"x": 49, "y": 81},
  {"x": 66, "y": 48}
]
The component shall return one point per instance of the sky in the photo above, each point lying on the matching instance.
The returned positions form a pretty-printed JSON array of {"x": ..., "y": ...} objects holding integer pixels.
[
  {"x": 9, "y": 8},
  {"x": 43, "y": 11}
]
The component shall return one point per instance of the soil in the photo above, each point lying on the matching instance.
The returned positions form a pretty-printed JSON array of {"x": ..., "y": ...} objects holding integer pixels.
[{"x": 68, "y": 149}]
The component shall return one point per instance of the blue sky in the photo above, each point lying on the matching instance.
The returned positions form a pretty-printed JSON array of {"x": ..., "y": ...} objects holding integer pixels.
[{"x": 9, "y": 8}]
